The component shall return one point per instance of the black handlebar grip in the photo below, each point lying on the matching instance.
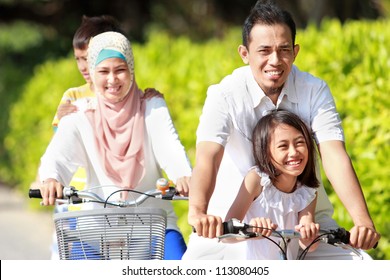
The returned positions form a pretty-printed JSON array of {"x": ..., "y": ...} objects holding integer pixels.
[
  {"x": 345, "y": 237},
  {"x": 77, "y": 200},
  {"x": 34, "y": 193},
  {"x": 228, "y": 227}
]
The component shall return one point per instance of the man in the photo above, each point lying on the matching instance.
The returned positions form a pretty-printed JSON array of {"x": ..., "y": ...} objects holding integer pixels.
[{"x": 224, "y": 147}]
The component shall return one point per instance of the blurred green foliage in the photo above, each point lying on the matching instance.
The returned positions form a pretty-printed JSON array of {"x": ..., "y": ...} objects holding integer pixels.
[
  {"x": 15, "y": 42},
  {"x": 23, "y": 45},
  {"x": 353, "y": 58},
  {"x": 30, "y": 34},
  {"x": 32, "y": 115}
]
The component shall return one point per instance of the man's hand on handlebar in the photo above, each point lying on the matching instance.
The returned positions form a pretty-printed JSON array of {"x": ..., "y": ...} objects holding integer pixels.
[
  {"x": 207, "y": 225},
  {"x": 364, "y": 237}
]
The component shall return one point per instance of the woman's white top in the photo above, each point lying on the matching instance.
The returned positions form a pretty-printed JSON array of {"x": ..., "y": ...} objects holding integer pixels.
[
  {"x": 282, "y": 208},
  {"x": 73, "y": 145}
]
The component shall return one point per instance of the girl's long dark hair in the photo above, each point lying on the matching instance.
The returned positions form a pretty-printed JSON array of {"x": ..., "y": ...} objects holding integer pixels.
[{"x": 261, "y": 141}]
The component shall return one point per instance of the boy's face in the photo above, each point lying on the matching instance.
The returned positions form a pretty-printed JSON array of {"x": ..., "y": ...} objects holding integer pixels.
[{"x": 82, "y": 64}]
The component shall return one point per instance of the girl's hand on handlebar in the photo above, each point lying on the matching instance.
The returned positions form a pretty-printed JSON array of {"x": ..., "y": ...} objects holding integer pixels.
[
  {"x": 308, "y": 233},
  {"x": 364, "y": 237},
  {"x": 51, "y": 189},
  {"x": 263, "y": 226},
  {"x": 183, "y": 185}
]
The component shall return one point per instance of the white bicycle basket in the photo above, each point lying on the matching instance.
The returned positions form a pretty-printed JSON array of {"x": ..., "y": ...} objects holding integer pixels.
[{"x": 111, "y": 233}]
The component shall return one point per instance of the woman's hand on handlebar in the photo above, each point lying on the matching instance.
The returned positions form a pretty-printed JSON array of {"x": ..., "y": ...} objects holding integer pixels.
[
  {"x": 207, "y": 225},
  {"x": 51, "y": 189},
  {"x": 183, "y": 185}
]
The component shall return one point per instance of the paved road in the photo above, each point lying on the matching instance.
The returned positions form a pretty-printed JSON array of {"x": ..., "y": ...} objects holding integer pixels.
[{"x": 24, "y": 234}]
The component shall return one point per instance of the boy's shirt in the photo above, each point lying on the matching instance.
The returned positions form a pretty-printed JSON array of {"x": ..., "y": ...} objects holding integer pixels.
[{"x": 84, "y": 98}]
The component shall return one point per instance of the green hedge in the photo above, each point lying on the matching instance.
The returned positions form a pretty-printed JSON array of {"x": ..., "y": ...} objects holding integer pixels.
[
  {"x": 31, "y": 117},
  {"x": 355, "y": 61},
  {"x": 18, "y": 44},
  {"x": 353, "y": 58}
]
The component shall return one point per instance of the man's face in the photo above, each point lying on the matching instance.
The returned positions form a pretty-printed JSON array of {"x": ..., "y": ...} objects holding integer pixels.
[{"x": 270, "y": 56}]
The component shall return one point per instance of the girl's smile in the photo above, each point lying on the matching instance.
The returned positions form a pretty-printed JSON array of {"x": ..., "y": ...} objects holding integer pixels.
[{"x": 289, "y": 153}]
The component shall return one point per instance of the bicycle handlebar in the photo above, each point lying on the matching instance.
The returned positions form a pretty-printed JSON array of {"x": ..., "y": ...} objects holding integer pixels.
[
  {"x": 235, "y": 228},
  {"x": 164, "y": 190},
  {"x": 339, "y": 237}
]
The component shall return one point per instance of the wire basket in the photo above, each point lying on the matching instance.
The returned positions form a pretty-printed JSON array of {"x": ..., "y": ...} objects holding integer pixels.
[{"x": 111, "y": 233}]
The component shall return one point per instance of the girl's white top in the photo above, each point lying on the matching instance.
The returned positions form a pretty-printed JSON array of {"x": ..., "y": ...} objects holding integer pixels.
[{"x": 282, "y": 208}]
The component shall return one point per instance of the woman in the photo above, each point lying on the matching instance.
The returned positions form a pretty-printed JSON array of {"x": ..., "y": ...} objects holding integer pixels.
[{"x": 124, "y": 141}]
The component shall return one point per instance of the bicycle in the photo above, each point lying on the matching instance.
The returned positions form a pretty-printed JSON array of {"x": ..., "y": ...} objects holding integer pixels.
[
  {"x": 338, "y": 237},
  {"x": 123, "y": 231}
]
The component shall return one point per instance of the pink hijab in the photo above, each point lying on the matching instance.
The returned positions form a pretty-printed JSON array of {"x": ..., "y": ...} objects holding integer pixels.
[{"x": 118, "y": 127}]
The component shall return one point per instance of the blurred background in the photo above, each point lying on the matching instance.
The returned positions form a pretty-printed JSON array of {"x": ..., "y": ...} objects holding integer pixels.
[
  {"x": 181, "y": 47},
  {"x": 199, "y": 19}
]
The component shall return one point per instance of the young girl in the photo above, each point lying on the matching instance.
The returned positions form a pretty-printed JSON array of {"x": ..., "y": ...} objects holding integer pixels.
[{"x": 279, "y": 192}]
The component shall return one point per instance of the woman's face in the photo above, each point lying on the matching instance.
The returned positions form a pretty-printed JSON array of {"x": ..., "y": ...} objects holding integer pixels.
[{"x": 113, "y": 79}]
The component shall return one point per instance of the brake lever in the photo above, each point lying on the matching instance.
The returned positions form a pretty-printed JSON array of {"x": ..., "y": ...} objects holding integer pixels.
[{"x": 241, "y": 234}]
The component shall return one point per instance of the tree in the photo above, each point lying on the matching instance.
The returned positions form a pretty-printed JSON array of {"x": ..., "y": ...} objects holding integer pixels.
[{"x": 199, "y": 19}]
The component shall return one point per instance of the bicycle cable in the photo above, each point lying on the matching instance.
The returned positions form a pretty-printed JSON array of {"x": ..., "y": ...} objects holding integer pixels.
[
  {"x": 284, "y": 251},
  {"x": 306, "y": 250},
  {"x": 117, "y": 191}
]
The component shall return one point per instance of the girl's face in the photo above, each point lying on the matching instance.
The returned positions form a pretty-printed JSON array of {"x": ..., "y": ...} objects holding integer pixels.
[
  {"x": 288, "y": 150},
  {"x": 113, "y": 79},
  {"x": 82, "y": 64}
]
